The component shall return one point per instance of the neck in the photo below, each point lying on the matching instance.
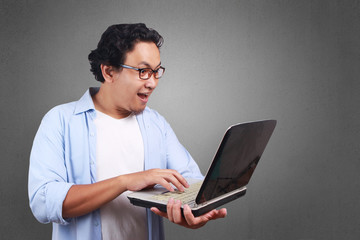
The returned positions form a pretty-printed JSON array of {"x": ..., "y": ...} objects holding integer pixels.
[{"x": 104, "y": 104}]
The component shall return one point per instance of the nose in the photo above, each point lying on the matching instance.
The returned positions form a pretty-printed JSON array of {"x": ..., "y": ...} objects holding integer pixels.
[{"x": 152, "y": 82}]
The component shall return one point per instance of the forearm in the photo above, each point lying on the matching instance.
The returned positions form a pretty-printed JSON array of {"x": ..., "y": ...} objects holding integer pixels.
[{"x": 83, "y": 199}]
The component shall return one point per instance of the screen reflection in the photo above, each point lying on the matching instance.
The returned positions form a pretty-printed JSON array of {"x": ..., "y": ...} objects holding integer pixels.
[{"x": 236, "y": 159}]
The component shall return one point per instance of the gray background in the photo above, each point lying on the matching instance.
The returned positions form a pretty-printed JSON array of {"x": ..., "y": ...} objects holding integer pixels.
[{"x": 226, "y": 62}]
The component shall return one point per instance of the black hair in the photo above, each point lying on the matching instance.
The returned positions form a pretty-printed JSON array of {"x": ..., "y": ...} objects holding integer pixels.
[{"x": 116, "y": 42}]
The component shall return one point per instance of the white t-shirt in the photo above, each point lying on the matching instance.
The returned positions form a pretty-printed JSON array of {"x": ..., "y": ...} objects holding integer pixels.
[{"x": 120, "y": 150}]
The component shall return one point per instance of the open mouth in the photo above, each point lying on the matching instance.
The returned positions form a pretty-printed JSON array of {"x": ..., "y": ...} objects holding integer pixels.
[{"x": 143, "y": 96}]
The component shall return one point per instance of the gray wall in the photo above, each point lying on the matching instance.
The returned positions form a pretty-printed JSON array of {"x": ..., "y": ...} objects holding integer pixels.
[{"x": 226, "y": 62}]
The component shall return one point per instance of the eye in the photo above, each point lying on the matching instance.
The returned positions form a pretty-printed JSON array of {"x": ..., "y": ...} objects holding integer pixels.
[{"x": 144, "y": 71}]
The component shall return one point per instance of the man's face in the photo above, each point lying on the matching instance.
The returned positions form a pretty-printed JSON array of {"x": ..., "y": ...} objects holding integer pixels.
[{"x": 129, "y": 93}]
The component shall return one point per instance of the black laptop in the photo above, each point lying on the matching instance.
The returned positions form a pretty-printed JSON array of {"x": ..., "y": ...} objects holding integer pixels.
[{"x": 229, "y": 173}]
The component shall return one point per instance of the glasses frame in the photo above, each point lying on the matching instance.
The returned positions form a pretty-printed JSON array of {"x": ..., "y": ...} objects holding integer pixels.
[{"x": 141, "y": 69}]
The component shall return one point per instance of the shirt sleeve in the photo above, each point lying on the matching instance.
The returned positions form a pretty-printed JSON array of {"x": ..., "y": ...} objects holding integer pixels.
[
  {"x": 47, "y": 183},
  {"x": 178, "y": 157}
]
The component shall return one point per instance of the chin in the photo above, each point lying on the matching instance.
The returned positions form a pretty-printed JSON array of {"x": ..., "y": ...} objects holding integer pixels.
[{"x": 138, "y": 111}]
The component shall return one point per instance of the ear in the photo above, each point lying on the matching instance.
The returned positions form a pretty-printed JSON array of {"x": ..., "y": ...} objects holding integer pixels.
[{"x": 107, "y": 72}]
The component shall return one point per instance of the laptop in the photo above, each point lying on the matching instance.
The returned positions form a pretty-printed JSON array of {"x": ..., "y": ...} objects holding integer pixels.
[{"x": 226, "y": 179}]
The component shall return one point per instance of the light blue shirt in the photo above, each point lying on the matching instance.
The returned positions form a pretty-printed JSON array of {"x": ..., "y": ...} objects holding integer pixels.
[{"x": 63, "y": 154}]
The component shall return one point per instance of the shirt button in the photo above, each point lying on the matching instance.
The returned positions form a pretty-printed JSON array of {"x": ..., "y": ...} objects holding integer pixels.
[
  {"x": 96, "y": 224},
  {"x": 92, "y": 134}
]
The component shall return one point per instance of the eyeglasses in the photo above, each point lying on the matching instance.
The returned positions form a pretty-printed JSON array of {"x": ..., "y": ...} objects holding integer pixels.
[{"x": 145, "y": 73}]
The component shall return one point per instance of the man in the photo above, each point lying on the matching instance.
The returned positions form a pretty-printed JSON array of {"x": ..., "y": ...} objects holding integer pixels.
[{"x": 88, "y": 154}]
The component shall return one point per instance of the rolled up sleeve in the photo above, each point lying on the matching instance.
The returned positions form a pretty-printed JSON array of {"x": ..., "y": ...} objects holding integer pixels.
[{"x": 47, "y": 182}]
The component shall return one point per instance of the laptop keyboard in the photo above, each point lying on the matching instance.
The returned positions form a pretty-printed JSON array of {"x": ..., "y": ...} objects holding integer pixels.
[{"x": 186, "y": 197}]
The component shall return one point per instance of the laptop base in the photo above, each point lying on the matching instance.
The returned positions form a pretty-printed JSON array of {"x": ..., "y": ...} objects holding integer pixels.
[{"x": 197, "y": 211}]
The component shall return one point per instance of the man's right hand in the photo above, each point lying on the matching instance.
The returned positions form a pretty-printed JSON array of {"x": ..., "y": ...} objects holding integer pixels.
[{"x": 149, "y": 178}]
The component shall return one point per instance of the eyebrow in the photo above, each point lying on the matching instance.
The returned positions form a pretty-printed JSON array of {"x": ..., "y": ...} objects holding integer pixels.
[{"x": 148, "y": 65}]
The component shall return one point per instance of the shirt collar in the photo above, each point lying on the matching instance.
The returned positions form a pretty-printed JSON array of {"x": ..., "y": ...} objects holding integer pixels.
[{"x": 86, "y": 103}]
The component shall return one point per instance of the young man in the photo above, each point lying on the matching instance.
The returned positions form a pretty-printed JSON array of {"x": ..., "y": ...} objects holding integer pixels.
[{"x": 88, "y": 154}]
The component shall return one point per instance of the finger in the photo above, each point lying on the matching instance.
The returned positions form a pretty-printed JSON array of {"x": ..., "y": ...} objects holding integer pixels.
[
  {"x": 169, "y": 209},
  {"x": 158, "y": 212},
  {"x": 172, "y": 178},
  {"x": 175, "y": 178},
  {"x": 165, "y": 184},
  {"x": 181, "y": 179},
  {"x": 215, "y": 214},
  {"x": 222, "y": 213},
  {"x": 196, "y": 222},
  {"x": 189, "y": 217},
  {"x": 210, "y": 215},
  {"x": 177, "y": 212}
]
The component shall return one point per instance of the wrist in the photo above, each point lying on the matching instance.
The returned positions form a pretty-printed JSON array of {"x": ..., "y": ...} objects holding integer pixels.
[{"x": 122, "y": 181}]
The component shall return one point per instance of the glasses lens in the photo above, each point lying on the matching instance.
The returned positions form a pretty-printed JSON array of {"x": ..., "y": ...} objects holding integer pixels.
[
  {"x": 145, "y": 73},
  {"x": 159, "y": 72}
]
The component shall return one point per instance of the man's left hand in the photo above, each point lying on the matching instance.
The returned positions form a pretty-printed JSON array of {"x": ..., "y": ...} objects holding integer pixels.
[{"x": 174, "y": 215}]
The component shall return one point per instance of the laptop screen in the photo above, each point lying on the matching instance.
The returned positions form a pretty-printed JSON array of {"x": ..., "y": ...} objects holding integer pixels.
[{"x": 236, "y": 159}]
